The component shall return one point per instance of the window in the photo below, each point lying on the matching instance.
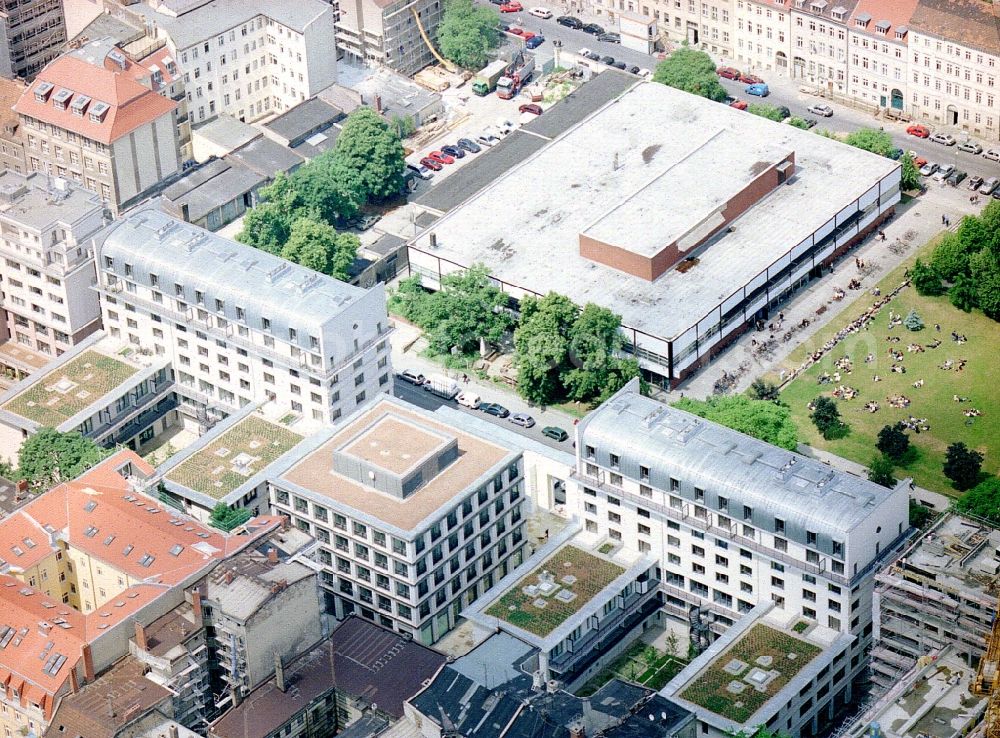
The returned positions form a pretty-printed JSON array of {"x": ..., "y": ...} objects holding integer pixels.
[{"x": 779, "y": 525}]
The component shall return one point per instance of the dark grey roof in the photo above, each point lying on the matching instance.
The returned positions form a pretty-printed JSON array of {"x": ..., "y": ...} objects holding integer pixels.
[
  {"x": 208, "y": 187},
  {"x": 617, "y": 698},
  {"x": 295, "y": 125},
  {"x": 361, "y": 659},
  {"x": 266, "y": 157},
  {"x": 581, "y": 103},
  {"x": 486, "y": 169},
  {"x": 471, "y": 708},
  {"x": 387, "y": 243},
  {"x": 667, "y": 717}
]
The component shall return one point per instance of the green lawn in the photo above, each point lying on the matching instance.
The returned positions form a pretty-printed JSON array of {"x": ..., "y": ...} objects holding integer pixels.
[
  {"x": 933, "y": 401},
  {"x": 641, "y": 664},
  {"x": 710, "y": 689},
  {"x": 592, "y": 574},
  {"x": 212, "y": 470}
]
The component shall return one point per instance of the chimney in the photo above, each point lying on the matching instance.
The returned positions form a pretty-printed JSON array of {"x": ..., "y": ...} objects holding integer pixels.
[
  {"x": 88, "y": 663},
  {"x": 140, "y": 636},
  {"x": 172, "y": 731},
  {"x": 576, "y": 730},
  {"x": 279, "y": 672},
  {"x": 22, "y": 486},
  {"x": 196, "y": 606},
  {"x": 378, "y": 104},
  {"x": 433, "y": 239},
  {"x": 236, "y": 695},
  {"x": 229, "y": 577},
  {"x": 74, "y": 681},
  {"x": 272, "y": 555}
]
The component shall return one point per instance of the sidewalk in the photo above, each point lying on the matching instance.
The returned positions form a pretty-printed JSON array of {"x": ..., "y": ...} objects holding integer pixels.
[
  {"x": 935, "y": 500},
  {"x": 917, "y": 223}
]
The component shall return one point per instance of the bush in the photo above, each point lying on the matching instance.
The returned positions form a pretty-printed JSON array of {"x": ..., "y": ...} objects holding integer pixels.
[
  {"x": 920, "y": 514},
  {"x": 983, "y": 501},
  {"x": 763, "y": 390}
]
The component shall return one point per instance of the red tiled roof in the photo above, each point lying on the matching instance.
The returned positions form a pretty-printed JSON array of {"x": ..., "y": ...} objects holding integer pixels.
[
  {"x": 897, "y": 12},
  {"x": 132, "y": 104},
  {"x": 115, "y": 524},
  {"x": 971, "y": 23}
]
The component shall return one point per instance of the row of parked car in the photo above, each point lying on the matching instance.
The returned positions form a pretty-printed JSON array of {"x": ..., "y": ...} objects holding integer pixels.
[
  {"x": 950, "y": 174},
  {"x": 946, "y": 139},
  {"x": 473, "y": 401},
  {"x": 571, "y": 21}
]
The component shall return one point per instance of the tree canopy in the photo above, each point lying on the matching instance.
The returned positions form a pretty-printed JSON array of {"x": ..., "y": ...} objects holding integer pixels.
[
  {"x": 49, "y": 457},
  {"x": 880, "y": 471},
  {"x": 564, "y": 352},
  {"x": 368, "y": 147},
  {"x": 969, "y": 263},
  {"x": 766, "y": 111},
  {"x": 319, "y": 247},
  {"x": 467, "y": 33},
  {"x": 909, "y": 178},
  {"x": 962, "y": 465},
  {"x": 226, "y": 518},
  {"x": 983, "y": 501},
  {"x": 871, "y": 139},
  {"x": 893, "y": 442},
  {"x": 826, "y": 417},
  {"x": 692, "y": 71},
  {"x": 763, "y": 419}
]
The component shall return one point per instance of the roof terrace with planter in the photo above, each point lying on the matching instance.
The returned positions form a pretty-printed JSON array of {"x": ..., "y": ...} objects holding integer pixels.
[
  {"x": 230, "y": 460},
  {"x": 747, "y": 675},
  {"x": 566, "y": 582}
]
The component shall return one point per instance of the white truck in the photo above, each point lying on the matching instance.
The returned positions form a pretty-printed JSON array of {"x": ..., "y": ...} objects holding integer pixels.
[{"x": 442, "y": 386}]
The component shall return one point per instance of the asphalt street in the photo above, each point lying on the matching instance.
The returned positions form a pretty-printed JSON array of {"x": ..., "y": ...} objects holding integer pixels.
[
  {"x": 419, "y": 397},
  {"x": 784, "y": 92}
]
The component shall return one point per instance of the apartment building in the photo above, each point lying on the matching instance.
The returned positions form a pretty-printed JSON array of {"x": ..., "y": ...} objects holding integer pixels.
[
  {"x": 240, "y": 325},
  {"x": 358, "y": 678},
  {"x": 879, "y": 34},
  {"x": 32, "y": 33},
  {"x": 763, "y": 31},
  {"x": 110, "y": 393},
  {"x": 734, "y": 521},
  {"x": 11, "y": 145},
  {"x": 389, "y": 33},
  {"x": 938, "y": 594},
  {"x": 819, "y": 42},
  {"x": 954, "y": 65},
  {"x": 81, "y": 565},
  {"x": 248, "y": 58},
  {"x": 48, "y": 267},
  {"x": 86, "y": 118},
  {"x": 415, "y": 517}
]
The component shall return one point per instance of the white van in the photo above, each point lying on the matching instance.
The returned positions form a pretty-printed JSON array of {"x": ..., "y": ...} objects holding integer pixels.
[
  {"x": 470, "y": 400},
  {"x": 540, "y": 12}
]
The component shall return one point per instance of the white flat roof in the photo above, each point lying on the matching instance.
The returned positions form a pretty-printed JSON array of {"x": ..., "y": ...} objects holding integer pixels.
[{"x": 525, "y": 226}]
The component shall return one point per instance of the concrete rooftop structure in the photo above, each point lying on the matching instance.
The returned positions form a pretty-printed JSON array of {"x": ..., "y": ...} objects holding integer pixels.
[{"x": 393, "y": 463}]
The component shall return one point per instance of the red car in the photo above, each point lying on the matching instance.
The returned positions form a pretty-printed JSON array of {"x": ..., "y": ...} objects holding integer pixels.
[
  {"x": 919, "y": 161},
  {"x": 751, "y": 79},
  {"x": 728, "y": 72},
  {"x": 441, "y": 158},
  {"x": 514, "y": 7},
  {"x": 527, "y": 35},
  {"x": 515, "y": 31},
  {"x": 738, "y": 104},
  {"x": 432, "y": 164},
  {"x": 530, "y": 108},
  {"x": 919, "y": 131}
]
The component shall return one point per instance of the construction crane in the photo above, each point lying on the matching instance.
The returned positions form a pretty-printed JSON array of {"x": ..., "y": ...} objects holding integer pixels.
[{"x": 987, "y": 681}]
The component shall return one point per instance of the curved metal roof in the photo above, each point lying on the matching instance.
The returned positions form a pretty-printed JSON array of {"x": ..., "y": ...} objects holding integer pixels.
[
  {"x": 263, "y": 285},
  {"x": 673, "y": 444}
]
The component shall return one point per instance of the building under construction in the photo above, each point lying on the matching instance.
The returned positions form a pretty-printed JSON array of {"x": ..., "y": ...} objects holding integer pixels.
[{"x": 942, "y": 591}]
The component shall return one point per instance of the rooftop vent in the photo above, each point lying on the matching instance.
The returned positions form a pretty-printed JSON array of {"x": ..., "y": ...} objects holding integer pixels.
[{"x": 43, "y": 90}]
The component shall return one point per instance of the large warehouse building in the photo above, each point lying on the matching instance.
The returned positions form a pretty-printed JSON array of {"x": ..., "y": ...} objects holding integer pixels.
[{"x": 691, "y": 223}]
